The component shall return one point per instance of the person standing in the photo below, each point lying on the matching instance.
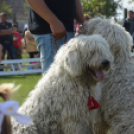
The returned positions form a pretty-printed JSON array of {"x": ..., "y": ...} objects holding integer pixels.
[
  {"x": 31, "y": 44},
  {"x": 6, "y": 37},
  {"x": 50, "y": 20},
  {"x": 129, "y": 23},
  {"x": 17, "y": 42}
]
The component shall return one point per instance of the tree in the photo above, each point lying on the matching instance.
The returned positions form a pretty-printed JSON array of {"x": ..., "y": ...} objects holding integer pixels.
[
  {"x": 131, "y": 1},
  {"x": 106, "y": 8},
  {"x": 5, "y": 8},
  {"x": 92, "y": 7},
  {"x": 110, "y": 9},
  {"x": 26, "y": 7}
]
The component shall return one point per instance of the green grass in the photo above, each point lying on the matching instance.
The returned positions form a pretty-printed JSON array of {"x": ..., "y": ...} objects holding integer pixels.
[
  {"x": 27, "y": 82},
  {"x": 25, "y": 56}
]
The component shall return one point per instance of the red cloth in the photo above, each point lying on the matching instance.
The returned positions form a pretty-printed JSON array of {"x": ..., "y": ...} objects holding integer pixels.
[
  {"x": 17, "y": 39},
  {"x": 92, "y": 103}
]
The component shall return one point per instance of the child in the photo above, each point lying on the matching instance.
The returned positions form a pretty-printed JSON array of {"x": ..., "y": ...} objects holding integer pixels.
[
  {"x": 17, "y": 42},
  {"x": 31, "y": 44}
]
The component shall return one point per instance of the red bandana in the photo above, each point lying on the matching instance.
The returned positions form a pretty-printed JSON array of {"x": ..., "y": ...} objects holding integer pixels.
[{"x": 92, "y": 103}]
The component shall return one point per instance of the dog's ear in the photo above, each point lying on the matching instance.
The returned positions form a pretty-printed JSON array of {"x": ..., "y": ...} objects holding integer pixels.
[
  {"x": 84, "y": 28},
  {"x": 89, "y": 27},
  {"x": 73, "y": 63}
]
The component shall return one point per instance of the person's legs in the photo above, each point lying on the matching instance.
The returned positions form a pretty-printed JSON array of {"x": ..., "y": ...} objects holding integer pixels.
[
  {"x": 35, "y": 54},
  {"x": 17, "y": 53},
  {"x": 1, "y": 52},
  {"x": 11, "y": 50},
  {"x": 31, "y": 54},
  {"x": 45, "y": 45}
]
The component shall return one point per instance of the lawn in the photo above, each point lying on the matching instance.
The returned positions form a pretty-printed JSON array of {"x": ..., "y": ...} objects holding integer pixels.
[{"x": 27, "y": 82}]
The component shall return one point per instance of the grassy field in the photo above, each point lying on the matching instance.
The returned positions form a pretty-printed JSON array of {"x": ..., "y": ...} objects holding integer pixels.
[{"x": 27, "y": 82}]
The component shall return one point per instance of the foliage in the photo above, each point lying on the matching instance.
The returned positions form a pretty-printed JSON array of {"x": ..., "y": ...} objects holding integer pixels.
[
  {"x": 27, "y": 82},
  {"x": 92, "y": 7},
  {"x": 26, "y": 7},
  {"x": 131, "y": 1},
  {"x": 5, "y": 8},
  {"x": 132, "y": 4},
  {"x": 106, "y": 8}
]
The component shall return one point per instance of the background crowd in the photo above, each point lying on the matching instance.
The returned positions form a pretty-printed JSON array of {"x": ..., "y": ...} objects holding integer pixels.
[{"x": 13, "y": 44}]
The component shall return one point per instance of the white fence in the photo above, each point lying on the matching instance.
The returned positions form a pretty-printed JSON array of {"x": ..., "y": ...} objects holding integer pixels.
[{"x": 17, "y": 67}]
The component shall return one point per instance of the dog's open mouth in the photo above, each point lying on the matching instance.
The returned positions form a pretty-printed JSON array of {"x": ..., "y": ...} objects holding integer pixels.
[{"x": 97, "y": 74}]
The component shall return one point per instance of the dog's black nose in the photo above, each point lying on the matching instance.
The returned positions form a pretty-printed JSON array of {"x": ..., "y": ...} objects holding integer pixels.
[{"x": 105, "y": 62}]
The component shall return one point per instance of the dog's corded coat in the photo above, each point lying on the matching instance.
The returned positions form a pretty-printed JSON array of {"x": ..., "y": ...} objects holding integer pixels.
[
  {"x": 58, "y": 105},
  {"x": 117, "y": 100}
]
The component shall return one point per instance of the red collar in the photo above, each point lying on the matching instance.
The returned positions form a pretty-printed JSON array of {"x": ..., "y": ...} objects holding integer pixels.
[{"x": 92, "y": 103}]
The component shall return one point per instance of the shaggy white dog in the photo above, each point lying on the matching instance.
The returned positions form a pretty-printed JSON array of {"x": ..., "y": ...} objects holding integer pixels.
[
  {"x": 117, "y": 100},
  {"x": 58, "y": 105}
]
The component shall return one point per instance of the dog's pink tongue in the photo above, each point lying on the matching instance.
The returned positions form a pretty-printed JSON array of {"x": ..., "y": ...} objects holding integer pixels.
[{"x": 100, "y": 75}]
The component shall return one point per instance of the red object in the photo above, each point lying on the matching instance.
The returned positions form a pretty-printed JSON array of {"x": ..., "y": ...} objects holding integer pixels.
[
  {"x": 17, "y": 39},
  {"x": 92, "y": 103}
]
